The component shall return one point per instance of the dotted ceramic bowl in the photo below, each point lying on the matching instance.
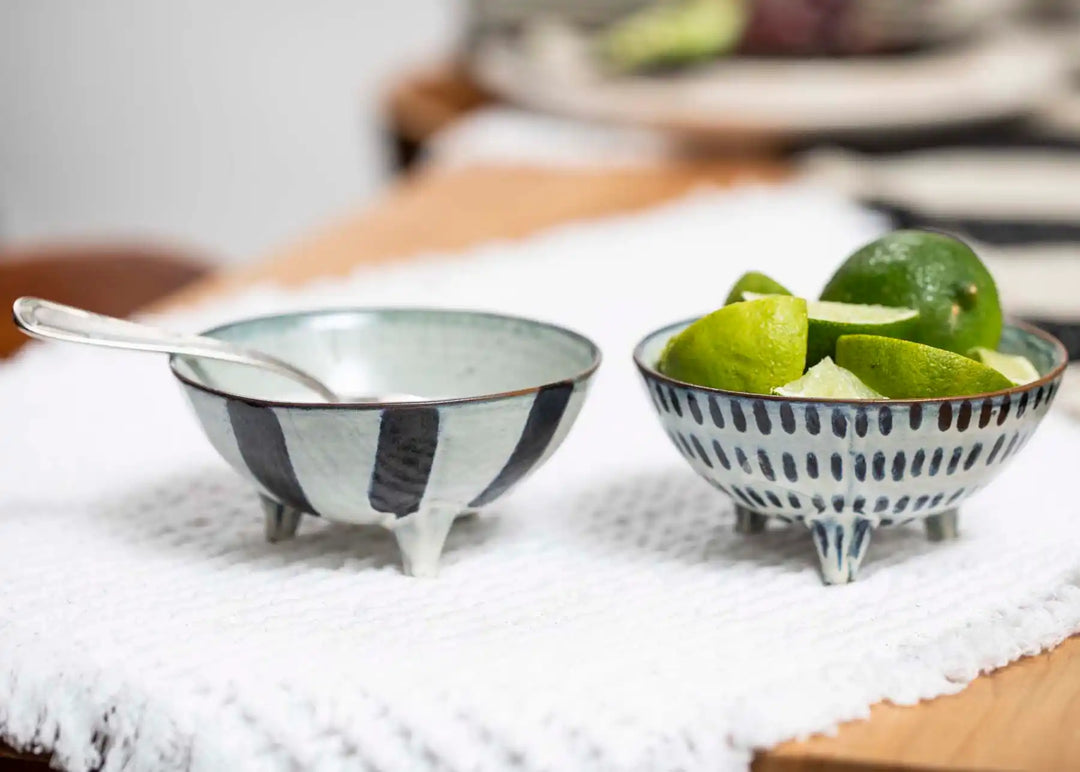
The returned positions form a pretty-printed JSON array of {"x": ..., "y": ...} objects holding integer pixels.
[
  {"x": 490, "y": 398},
  {"x": 844, "y": 468}
]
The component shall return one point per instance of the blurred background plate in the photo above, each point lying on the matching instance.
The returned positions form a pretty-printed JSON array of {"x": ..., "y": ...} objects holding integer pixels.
[{"x": 1003, "y": 73}]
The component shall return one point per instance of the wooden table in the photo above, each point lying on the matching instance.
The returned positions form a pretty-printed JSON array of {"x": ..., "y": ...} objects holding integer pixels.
[{"x": 1025, "y": 716}]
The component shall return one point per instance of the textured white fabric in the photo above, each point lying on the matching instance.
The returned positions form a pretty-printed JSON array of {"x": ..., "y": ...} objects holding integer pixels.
[{"x": 602, "y": 617}]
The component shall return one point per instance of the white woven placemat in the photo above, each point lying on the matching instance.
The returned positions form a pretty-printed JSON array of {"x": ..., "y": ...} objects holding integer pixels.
[{"x": 602, "y": 617}]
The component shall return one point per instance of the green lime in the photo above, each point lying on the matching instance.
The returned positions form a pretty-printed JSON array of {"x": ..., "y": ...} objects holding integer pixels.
[
  {"x": 829, "y": 320},
  {"x": 939, "y": 276},
  {"x": 827, "y": 380},
  {"x": 901, "y": 369},
  {"x": 753, "y": 346},
  {"x": 754, "y": 283},
  {"x": 671, "y": 33},
  {"x": 1016, "y": 368}
]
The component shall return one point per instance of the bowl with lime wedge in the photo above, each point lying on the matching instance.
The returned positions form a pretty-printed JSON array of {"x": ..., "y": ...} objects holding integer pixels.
[{"x": 893, "y": 398}]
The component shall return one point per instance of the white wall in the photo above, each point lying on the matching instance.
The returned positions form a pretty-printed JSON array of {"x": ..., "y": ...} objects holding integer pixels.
[{"x": 227, "y": 124}]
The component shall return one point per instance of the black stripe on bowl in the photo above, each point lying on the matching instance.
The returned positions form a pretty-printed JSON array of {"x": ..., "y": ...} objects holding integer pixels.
[
  {"x": 544, "y": 417},
  {"x": 408, "y": 438},
  {"x": 944, "y": 419},
  {"x": 761, "y": 417},
  {"x": 737, "y": 417},
  {"x": 836, "y": 462},
  {"x": 878, "y": 466},
  {"x": 790, "y": 472},
  {"x": 262, "y": 446},
  {"x": 720, "y": 455},
  {"x": 765, "y": 464},
  {"x": 898, "y": 466},
  {"x": 663, "y": 399},
  {"x": 917, "y": 462},
  {"x": 954, "y": 460},
  {"x": 885, "y": 420},
  {"x": 861, "y": 422},
  {"x": 787, "y": 418},
  {"x": 963, "y": 417},
  {"x": 935, "y": 461},
  {"x": 1005, "y": 402},
  {"x": 973, "y": 456},
  {"x": 673, "y": 397},
  {"x": 701, "y": 452},
  {"x": 915, "y": 416},
  {"x": 839, "y": 423},
  {"x": 687, "y": 451},
  {"x": 744, "y": 462},
  {"x": 714, "y": 412},
  {"x": 995, "y": 450},
  {"x": 695, "y": 409}
]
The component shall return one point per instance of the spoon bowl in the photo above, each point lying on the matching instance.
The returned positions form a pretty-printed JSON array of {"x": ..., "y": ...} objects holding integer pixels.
[{"x": 469, "y": 405}]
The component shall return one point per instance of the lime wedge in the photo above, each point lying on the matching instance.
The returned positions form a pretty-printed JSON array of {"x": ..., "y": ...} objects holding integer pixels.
[
  {"x": 756, "y": 284},
  {"x": 900, "y": 369},
  {"x": 752, "y": 347},
  {"x": 827, "y": 380},
  {"x": 828, "y": 321},
  {"x": 1016, "y": 368}
]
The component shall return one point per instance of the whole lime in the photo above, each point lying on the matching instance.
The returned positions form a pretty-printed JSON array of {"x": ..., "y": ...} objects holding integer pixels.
[{"x": 937, "y": 275}]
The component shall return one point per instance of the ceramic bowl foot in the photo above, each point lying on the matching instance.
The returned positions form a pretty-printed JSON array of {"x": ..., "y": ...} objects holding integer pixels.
[
  {"x": 749, "y": 521},
  {"x": 280, "y": 521},
  {"x": 420, "y": 538},
  {"x": 841, "y": 544},
  {"x": 943, "y": 526}
]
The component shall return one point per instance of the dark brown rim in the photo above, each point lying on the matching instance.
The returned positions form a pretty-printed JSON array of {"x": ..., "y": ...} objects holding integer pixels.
[
  {"x": 578, "y": 377},
  {"x": 1061, "y": 355}
]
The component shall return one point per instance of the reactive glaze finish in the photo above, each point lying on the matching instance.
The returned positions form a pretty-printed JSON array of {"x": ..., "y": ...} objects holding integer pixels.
[
  {"x": 844, "y": 468},
  {"x": 494, "y": 398}
]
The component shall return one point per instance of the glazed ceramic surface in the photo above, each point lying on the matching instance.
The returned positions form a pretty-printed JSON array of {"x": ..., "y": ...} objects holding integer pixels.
[
  {"x": 472, "y": 403},
  {"x": 843, "y": 467}
]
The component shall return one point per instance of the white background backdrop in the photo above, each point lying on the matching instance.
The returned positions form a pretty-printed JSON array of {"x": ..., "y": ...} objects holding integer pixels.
[{"x": 227, "y": 125}]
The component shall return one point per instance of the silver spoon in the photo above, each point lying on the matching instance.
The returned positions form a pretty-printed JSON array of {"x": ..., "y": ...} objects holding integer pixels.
[{"x": 44, "y": 319}]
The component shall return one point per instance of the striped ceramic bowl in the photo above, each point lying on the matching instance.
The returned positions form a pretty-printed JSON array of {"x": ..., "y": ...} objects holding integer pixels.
[
  {"x": 459, "y": 407},
  {"x": 843, "y": 468}
]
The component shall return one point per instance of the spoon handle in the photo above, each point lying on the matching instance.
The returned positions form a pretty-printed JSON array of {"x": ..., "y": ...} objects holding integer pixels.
[{"x": 45, "y": 319}]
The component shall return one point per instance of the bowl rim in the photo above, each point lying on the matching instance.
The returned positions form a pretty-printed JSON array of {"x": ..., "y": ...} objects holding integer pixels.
[
  {"x": 1061, "y": 356},
  {"x": 595, "y": 354}
]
